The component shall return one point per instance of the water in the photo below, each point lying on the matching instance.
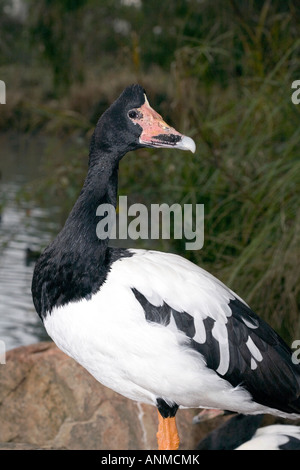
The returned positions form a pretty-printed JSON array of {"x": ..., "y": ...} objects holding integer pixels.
[{"x": 22, "y": 228}]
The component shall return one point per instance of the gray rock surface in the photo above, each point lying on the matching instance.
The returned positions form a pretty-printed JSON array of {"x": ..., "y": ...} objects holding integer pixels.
[{"x": 48, "y": 401}]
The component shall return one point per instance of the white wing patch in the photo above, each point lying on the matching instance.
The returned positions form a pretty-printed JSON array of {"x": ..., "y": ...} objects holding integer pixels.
[
  {"x": 200, "y": 335},
  {"x": 158, "y": 275},
  {"x": 220, "y": 333},
  {"x": 272, "y": 437},
  {"x": 255, "y": 352},
  {"x": 250, "y": 324}
]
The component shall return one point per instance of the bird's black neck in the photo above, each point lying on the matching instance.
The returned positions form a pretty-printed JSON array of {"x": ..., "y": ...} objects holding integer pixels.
[
  {"x": 100, "y": 187},
  {"x": 76, "y": 263}
]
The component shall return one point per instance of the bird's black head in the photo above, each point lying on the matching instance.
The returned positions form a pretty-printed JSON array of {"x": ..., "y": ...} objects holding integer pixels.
[{"x": 130, "y": 123}]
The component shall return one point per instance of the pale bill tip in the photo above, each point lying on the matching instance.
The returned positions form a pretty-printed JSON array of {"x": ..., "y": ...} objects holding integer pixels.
[{"x": 187, "y": 143}]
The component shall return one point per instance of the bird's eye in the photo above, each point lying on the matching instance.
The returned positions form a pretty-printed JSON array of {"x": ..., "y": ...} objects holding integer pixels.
[{"x": 133, "y": 114}]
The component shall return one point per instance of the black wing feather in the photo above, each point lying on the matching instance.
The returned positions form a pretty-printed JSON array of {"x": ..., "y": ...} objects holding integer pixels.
[{"x": 275, "y": 382}]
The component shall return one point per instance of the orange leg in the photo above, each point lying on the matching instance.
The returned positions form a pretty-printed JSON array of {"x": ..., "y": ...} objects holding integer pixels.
[{"x": 167, "y": 435}]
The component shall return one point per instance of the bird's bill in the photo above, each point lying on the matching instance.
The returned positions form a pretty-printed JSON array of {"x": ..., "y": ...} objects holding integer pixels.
[{"x": 156, "y": 133}]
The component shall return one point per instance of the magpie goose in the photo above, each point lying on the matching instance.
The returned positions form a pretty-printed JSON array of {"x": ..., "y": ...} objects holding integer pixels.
[
  {"x": 153, "y": 326},
  {"x": 242, "y": 432}
]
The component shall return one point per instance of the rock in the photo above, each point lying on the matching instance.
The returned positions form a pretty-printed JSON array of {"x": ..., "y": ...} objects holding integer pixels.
[
  {"x": 48, "y": 401},
  {"x": 18, "y": 446}
]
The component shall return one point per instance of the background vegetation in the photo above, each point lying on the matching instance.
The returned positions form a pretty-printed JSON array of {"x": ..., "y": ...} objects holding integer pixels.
[{"x": 221, "y": 72}]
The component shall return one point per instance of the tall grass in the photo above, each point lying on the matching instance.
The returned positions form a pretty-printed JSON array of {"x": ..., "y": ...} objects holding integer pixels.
[
  {"x": 246, "y": 169},
  {"x": 248, "y": 178}
]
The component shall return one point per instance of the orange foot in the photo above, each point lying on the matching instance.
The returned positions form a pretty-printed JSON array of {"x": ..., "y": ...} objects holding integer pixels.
[{"x": 167, "y": 435}]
